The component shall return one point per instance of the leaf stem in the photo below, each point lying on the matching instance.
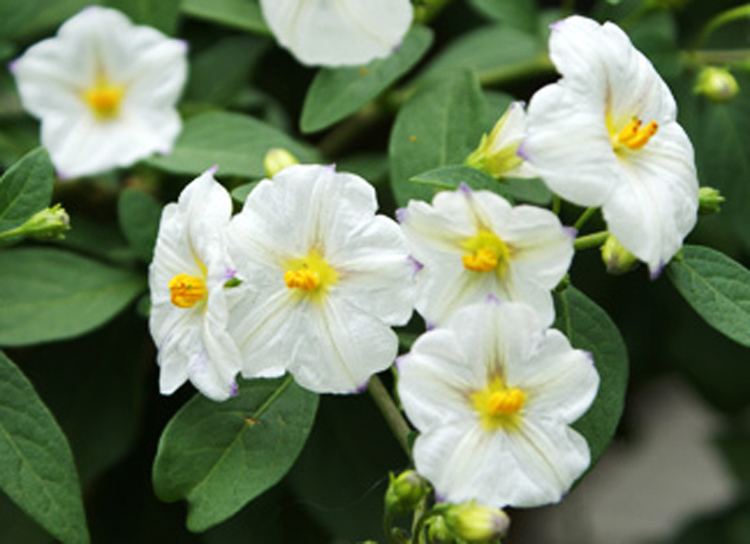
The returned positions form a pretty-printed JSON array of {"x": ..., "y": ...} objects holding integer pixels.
[
  {"x": 584, "y": 217},
  {"x": 591, "y": 240},
  {"x": 728, "y": 16},
  {"x": 390, "y": 412}
]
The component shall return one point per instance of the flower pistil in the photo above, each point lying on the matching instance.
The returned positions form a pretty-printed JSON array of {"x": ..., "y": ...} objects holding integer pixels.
[
  {"x": 498, "y": 405},
  {"x": 186, "y": 291}
]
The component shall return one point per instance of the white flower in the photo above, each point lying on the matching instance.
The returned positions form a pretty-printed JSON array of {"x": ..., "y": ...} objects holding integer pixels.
[
  {"x": 189, "y": 307},
  {"x": 497, "y": 153},
  {"x": 493, "y": 395},
  {"x": 474, "y": 244},
  {"x": 330, "y": 278},
  {"x": 105, "y": 91},
  {"x": 338, "y": 32},
  {"x": 606, "y": 135}
]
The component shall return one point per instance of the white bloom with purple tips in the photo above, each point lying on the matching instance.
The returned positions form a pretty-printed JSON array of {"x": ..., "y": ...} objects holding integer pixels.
[
  {"x": 189, "y": 304},
  {"x": 493, "y": 394},
  {"x": 105, "y": 91},
  {"x": 328, "y": 276},
  {"x": 474, "y": 243},
  {"x": 338, "y": 32},
  {"x": 606, "y": 135}
]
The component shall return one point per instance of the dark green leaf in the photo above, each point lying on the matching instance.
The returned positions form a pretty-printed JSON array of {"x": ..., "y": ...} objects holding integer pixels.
[
  {"x": 589, "y": 328},
  {"x": 240, "y": 193},
  {"x": 336, "y": 93},
  {"x": 160, "y": 14},
  {"x": 25, "y": 189},
  {"x": 220, "y": 456},
  {"x": 242, "y": 14},
  {"x": 36, "y": 465},
  {"x": 439, "y": 125},
  {"x": 139, "y": 214},
  {"x": 371, "y": 166},
  {"x": 717, "y": 287},
  {"x": 236, "y": 143},
  {"x": 49, "y": 294},
  {"x": 522, "y": 14},
  {"x": 19, "y": 19}
]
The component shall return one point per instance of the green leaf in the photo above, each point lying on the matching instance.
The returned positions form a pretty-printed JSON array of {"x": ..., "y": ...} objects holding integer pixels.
[
  {"x": 717, "y": 287},
  {"x": 102, "y": 240},
  {"x": 452, "y": 176},
  {"x": 239, "y": 194},
  {"x": 336, "y": 93},
  {"x": 522, "y": 14},
  {"x": 139, "y": 214},
  {"x": 236, "y": 143},
  {"x": 25, "y": 189},
  {"x": 589, "y": 328},
  {"x": 220, "y": 456},
  {"x": 373, "y": 166},
  {"x": 50, "y": 294},
  {"x": 439, "y": 125},
  {"x": 160, "y": 14},
  {"x": 241, "y": 14},
  {"x": 36, "y": 465},
  {"x": 490, "y": 52},
  {"x": 19, "y": 19}
]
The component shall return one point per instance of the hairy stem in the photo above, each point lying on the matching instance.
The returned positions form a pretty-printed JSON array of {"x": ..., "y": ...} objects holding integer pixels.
[{"x": 390, "y": 412}]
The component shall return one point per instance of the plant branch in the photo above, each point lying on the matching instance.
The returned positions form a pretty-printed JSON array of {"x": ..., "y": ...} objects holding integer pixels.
[
  {"x": 390, "y": 412},
  {"x": 584, "y": 217},
  {"x": 591, "y": 240}
]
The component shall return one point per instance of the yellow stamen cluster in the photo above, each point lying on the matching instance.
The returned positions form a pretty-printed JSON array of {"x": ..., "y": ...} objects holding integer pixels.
[
  {"x": 186, "y": 291},
  {"x": 486, "y": 252},
  {"x": 310, "y": 274},
  {"x": 498, "y": 405},
  {"x": 634, "y": 135},
  {"x": 104, "y": 99}
]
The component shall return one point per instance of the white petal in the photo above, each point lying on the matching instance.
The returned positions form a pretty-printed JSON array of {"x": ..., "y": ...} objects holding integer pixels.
[
  {"x": 344, "y": 347},
  {"x": 561, "y": 382},
  {"x": 338, "y": 32},
  {"x": 655, "y": 206},
  {"x": 568, "y": 144},
  {"x": 172, "y": 356}
]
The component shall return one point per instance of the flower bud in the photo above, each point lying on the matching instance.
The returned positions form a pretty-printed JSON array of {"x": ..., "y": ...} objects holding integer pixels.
[
  {"x": 48, "y": 224},
  {"x": 276, "y": 160},
  {"x": 437, "y": 530},
  {"x": 709, "y": 200},
  {"x": 718, "y": 84},
  {"x": 617, "y": 259},
  {"x": 474, "y": 522},
  {"x": 405, "y": 491},
  {"x": 497, "y": 153}
]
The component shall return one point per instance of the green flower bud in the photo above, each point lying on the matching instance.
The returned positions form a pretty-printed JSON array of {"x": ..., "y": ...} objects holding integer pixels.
[
  {"x": 497, "y": 152},
  {"x": 718, "y": 84},
  {"x": 474, "y": 522},
  {"x": 405, "y": 491},
  {"x": 709, "y": 200},
  {"x": 617, "y": 259},
  {"x": 276, "y": 160},
  {"x": 48, "y": 224},
  {"x": 437, "y": 530}
]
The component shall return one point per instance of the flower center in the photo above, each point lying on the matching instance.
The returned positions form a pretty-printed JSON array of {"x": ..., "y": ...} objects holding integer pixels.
[
  {"x": 634, "y": 135},
  {"x": 310, "y": 274},
  {"x": 498, "y": 406},
  {"x": 104, "y": 99},
  {"x": 186, "y": 290},
  {"x": 486, "y": 252}
]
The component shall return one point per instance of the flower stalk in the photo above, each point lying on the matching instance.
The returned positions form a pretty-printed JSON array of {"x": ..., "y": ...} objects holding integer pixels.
[{"x": 390, "y": 411}]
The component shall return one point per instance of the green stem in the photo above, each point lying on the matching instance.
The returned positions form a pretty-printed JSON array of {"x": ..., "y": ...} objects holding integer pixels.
[
  {"x": 556, "y": 204},
  {"x": 541, "y": 65},
  {"x": 740, "y": 12},
  {"x": 390, "y": 412},
  {"x": 584, "y": 217},
  {"x": 12, "y": 233},
  {"x": 431, "y": 9},
  {"x": 591, "y": 240},
  {"x": 716, "y": 56}
]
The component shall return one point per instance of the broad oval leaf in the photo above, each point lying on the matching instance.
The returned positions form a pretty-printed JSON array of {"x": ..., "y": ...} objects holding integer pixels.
[
  {"x": 241, "y": 192},
  {"x": 515, "y": 190},
  {"x": 49, "y": 294},
  {"x": 437, "y": 126},
  {"x": 220, "y": 456},
  {"x": 161, "y": 14},
  {"x": 236, "y": 143},
  {"x": 717, "y": 287},
  {"x": 589, "y": 328},
  {"x": 139, "y": 214},
  {"x": 337, "y": 92},
  {"x": 36, "y": 465},
  {"x": 522, "y": 14},
  {"x": 25, "y": 188},
  {"x": 242, "y": 14}
]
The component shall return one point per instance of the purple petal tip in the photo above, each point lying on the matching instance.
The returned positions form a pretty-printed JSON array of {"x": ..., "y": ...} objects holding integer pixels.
[
  {"x": 401, "y": 215},
  {"x": 656, "y": 272},
  {"x": 415, "y": 264},
  {"x": 213, "y": 169},
  {"x": 331, "y": 167},
  {"x": 464, "y": 188},
  {"x": 429, "y": 326},
  {"x": 230, "y": 273},
  {"x": 521, "y": 151},
  {"x": 556, "y": 25},
  {"x": 571, "y": 231},
  {"x": 234, "y": 389},
  {"x": 13, "y": 65},
  {"x": 362, "y": 388},
  {"x": 492, "y": 299}
]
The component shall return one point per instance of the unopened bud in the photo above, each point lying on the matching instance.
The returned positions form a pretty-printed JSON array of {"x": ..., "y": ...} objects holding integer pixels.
[
  {"x": 437, "y": 530},
  {"x": 276, "y": 160},
  {"x": 48, "y": 224},
  {"x": 405, "y": 491},
  {"x": 497, "y": 153},
  {"x": 617, "y": 259},
  {"x": 718, "y": 84},
  {"x": 709, "y": 200},
  {"x": 474, "y": 522}
]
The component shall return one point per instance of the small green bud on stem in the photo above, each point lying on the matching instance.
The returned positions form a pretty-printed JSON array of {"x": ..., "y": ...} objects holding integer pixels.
[
  {"x": 405, "y": 491},
  {"x": 276, "y": 160},
  {"x": 717, "y": 84},
  {"x": 48, "y": 224},
  {"x": 709, "y": 200},
  {"x": 617, "y": 259},
  {"x": 476, "y": 523}
]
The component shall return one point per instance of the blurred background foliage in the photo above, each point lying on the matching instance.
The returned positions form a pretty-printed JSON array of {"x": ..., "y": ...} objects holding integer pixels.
[{"x": 101, "y": 386}]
